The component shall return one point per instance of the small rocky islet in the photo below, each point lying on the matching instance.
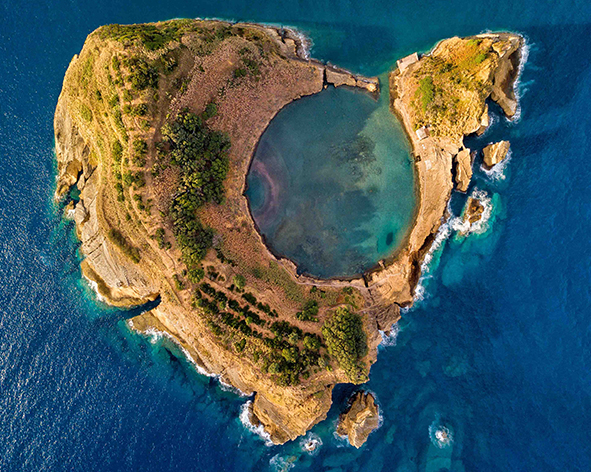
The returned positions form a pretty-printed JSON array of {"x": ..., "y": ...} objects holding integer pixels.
[{"x": 155, "y": 128}]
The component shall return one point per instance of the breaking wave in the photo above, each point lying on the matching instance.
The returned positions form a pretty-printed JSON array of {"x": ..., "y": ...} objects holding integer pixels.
[
  {"x": 440, "y": 435},
  {"x": 498, "y": 171},
  {"x": 454, "y": 224},
  {"x": 518, "y": 90},
  {"x": 390, "y": 339},
  {"x": 94, "y": 287},
  {"x": 279, "y": 463},
  {"x": 155, "y": 335},
  {"x": 311, "y": 444},
  {"x": 258, "y": 430}
]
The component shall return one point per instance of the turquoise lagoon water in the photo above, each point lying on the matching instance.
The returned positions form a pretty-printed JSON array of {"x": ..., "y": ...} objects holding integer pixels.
[
  {"x": 330, "y": 185},
  {"x": 498, "y": 350}
]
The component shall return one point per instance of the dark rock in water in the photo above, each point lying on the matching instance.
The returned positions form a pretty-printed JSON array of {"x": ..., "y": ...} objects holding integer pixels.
[
  {"x": 360, "y": 419},
  {"x": 389, "y": 238}
]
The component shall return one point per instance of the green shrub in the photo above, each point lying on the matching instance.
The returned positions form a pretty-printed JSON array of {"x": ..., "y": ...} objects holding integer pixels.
[
  {"x": 240, "y": 281},
  {"x": 140, "y": 149},
  {"x": 239, "y": 345},
  {"x": 311, "y": 342},
  {"x": 309, "y": 311},
  {"x": 86, "y": 112},
  {"x": 178, "y": 282},
  {"x": 142, "y": 75},
  {"x": 152, "y": 37},
  {"x": 427, "y": 91},
  {"x": 117, "y": 151},
  {"x": 211, "y": 110},
  {"x": 346, "y": 342},
  {"x": 201, "y": 155},
  {"x": 122, "y": 243},
  {"x": 480, "y": 58}
]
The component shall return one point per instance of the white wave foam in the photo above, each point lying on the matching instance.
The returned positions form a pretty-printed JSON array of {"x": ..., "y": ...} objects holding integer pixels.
[
  {"x": 390, "y": 339},
  {"x": 517, "y": 89},
  {"x": 498, "y": 171},
  {"x": 156, "y": 335},
  {"x": 444, "y": 232},
  {"x": 258, "y": 430},
  {"x": 94, "y": 287},
  {"x": 481, "y": 226},
  {"x": 452, "y": 225},
  {"x": 279, "y": 463},
  {"x": 304, "y": 43},
  {"x": 440, "y": 435},
  {"x": 311, "y": 444}
]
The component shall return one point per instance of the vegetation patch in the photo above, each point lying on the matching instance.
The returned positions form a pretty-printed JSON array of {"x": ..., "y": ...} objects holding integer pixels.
[
  {"x": 117, "y": 238},
  {"x": 201, "y": 154},
  {"x": 346, "y": 342}
]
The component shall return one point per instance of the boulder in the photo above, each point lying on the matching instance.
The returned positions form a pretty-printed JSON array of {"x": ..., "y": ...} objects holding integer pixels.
[
  {"x": 463, "y": 161},
  {"x": 495, "y": 153},
  {"x": 360, "y": 419},
  {"x": 473, "y": 210}
]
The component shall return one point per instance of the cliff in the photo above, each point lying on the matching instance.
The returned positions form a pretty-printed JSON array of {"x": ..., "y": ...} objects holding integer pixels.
[
  {"x": 361, "y": 418},
  {"x": 156, "y": 125},
  {"x": 441, "y": 98}
]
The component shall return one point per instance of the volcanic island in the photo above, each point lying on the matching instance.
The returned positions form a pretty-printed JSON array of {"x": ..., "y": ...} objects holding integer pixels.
[{"x": 155, "y": 129}]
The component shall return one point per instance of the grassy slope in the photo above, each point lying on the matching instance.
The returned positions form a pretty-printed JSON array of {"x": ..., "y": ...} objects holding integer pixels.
[{"x": 121, "y": 90}]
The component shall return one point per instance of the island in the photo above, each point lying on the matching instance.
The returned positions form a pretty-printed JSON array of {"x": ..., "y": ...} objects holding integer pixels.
[{"x": 155, "y": 129}]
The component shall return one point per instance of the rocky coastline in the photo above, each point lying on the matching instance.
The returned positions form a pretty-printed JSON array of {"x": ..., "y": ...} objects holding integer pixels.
[{"x": 110, "y": 231}]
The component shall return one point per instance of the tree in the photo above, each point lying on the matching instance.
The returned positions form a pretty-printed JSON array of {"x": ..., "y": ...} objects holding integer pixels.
[{"x": 347, "y": 342}]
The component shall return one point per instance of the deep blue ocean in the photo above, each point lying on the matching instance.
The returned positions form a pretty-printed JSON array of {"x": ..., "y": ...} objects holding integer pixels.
[{"x": 497, "y": 351}]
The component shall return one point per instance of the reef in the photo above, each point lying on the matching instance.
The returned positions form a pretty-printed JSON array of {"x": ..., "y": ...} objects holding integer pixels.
[
  {"x": 156, "y": 126},
  {"x": 361, "y": 418}
]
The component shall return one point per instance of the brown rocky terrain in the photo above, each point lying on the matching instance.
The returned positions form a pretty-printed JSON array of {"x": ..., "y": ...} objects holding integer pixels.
[
  {"x": 250, "y": 315},
  {"x": 474, "y": 210},
  {"x": 495, "y": 153},
  {"x": 360, "y": 419}
]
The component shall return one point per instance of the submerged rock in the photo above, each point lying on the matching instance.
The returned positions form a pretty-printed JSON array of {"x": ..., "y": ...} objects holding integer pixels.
[
  {"x": 360, "y": 419},
  {"x": 495, "y": 153}
]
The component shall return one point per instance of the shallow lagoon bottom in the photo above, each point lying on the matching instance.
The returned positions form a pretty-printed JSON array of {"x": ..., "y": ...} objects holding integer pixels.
[{"x": 331, "y": 183}]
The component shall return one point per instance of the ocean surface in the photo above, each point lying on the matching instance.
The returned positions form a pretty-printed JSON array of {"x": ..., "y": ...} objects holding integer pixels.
[{"x": 497, "y": 348}]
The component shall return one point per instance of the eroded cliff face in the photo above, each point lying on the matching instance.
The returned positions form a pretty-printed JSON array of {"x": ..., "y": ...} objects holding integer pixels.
[
  {"x": 361, "y": 418},
  {"x": 469, "y": 71},
  {"x": 100, "y": 117},
  {"x": 130, "y": 255}
]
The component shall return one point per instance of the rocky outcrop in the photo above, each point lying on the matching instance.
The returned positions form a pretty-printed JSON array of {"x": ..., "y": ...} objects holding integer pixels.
[
  {"x": 339, "y": 77},
  {"x": 361, "y": 418},
  {"x": 435, "y": 155},
  {"x": 473, "y": 210},
  {"x": 463, "y": 168},
  {"x": 495, "y": 153},
  {"x": 503, "y": 92}
]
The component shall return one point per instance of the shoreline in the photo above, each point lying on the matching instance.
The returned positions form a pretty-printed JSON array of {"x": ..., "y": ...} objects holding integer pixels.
[{"x": 285, "y": 410}]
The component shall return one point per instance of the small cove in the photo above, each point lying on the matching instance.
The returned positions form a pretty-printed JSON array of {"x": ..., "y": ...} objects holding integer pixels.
[{"x": 331, "y": 183}]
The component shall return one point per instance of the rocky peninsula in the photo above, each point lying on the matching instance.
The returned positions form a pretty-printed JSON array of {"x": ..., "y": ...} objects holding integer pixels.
[{"x": 156, "y": 126}]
